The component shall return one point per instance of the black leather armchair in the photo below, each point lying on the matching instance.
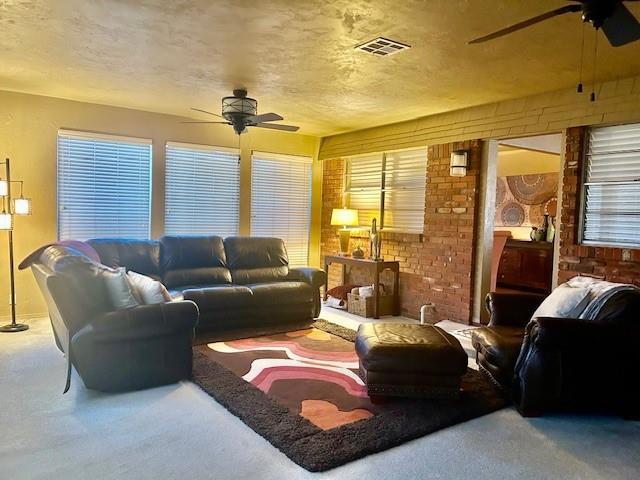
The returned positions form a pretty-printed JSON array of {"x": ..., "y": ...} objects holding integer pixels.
[
  {"x": 577, "y": 364},
  {"x": 562, "y": 363}
]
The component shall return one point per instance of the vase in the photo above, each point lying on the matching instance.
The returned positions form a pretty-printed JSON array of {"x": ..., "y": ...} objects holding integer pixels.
[
  {"x": 545, "y": 226},
  {"x": 551, "y": 230}
]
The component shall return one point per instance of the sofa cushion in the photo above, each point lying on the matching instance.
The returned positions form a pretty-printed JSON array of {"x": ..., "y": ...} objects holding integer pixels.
[
  {"x": 256, "y": 259},
  {"x": 281, "y": 293},
  {"x": 193, "y": 261},
  {"x": 219, "y": 297},
  {"x": 82, "y": 293},
  {"x": 141, "y": 256}
]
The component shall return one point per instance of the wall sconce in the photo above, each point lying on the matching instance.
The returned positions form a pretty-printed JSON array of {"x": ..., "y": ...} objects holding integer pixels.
[{"x": 459, "y": 163}]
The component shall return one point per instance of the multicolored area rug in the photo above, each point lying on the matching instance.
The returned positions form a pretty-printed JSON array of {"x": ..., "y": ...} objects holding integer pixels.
[{"x": 302, "y": 392}]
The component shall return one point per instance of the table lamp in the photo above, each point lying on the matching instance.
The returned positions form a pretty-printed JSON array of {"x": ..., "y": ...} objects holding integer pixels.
[{"x": 345, "y": 217}]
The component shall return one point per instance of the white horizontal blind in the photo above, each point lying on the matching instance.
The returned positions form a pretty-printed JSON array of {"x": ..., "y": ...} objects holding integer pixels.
[
  {"x": 389, "y": 187},
  {"x": 611, "y": 195},
  {"x": 281, "y": 201},
  {"x": 363, "y": 186},
  {"x": 104, "y": 186},
  {"x": 202, "y": 190},
  {"x": 404, "y": 190}
]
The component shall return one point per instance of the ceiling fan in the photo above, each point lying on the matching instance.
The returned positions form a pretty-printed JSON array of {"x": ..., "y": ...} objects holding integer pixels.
[
  {"x": 242, "y": 112},
  {"x": 617, "y": 22}
]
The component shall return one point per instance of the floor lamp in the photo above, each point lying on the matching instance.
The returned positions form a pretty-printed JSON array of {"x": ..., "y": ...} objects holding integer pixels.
[{"x": 10, "y": 207}]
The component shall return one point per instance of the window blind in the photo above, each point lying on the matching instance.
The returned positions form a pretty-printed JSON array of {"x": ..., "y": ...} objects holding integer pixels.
[
  {"x": 363, "y": 184},
  {"x": 611, "y": 191},
  {"x": 404, "y": 190},
  {"x": 390, "y": 187},
  {"x": 202, "y": 190},
  {"x": 281, "y": 201},
  {"x": 104, "y": 186}
]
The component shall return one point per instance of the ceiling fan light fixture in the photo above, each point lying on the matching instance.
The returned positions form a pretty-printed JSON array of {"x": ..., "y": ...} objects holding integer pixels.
[{"x": 239, "y": 105}]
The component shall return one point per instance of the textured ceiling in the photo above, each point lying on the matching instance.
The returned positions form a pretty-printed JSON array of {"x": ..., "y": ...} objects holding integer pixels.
[{"x": 295, "y": 56}]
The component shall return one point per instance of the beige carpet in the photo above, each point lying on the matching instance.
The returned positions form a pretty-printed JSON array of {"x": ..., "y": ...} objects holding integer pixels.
[{"x": 179, "y": 432}]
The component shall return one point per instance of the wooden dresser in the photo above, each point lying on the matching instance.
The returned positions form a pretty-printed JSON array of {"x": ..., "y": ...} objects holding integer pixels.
[{"x": 526, "y": 265}]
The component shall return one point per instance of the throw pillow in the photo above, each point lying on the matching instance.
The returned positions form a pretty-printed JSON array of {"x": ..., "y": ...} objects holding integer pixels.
[
  {"x": 564, "y": 302},
  {"x": 118, "y": 289},
  {"x": 340, "y": 292},
  {"x": 82, "y": 247},
  {"x": 147, "y": 289}
]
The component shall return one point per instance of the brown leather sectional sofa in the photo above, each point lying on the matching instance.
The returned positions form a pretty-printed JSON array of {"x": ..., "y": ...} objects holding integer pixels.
[{"x": 224, "y": 288}]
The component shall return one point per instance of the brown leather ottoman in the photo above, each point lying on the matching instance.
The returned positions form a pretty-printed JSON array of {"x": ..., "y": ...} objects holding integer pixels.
[{"x": 410, "y": 360}]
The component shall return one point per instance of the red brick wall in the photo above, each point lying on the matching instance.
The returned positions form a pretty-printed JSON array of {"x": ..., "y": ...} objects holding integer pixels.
[
  {"x": 437, "y": 266},
  {"x": 612, "y": 264}
]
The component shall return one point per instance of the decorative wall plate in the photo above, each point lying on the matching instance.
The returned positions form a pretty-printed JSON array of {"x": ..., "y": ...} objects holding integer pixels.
[
  {"x": 512, "y": 214},
  {"x": 533, "y": 189}
]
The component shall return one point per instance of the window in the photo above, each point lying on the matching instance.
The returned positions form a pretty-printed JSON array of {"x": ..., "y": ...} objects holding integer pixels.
[
  {"x": 611, "y": 189},
  {"x": 389, "y": 187},
  {"x": 281, "y": 201},
  {"x": 104, "y": 186},
  {"x": 202, "y": 190}
]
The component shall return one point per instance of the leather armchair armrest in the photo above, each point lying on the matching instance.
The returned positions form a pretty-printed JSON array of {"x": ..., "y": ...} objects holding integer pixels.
[
  {"x": 315, "y": 277},
  {"x": 144, "y": 320},
  {"x": 512, "y": 309}
]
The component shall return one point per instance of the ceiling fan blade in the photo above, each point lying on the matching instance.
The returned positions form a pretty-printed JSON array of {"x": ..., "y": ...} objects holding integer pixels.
[
  {"x": 275, "y": 126},
  {"x": 225, "y": 123},
  {"x": 265, "y": 117},
  {"x": 204, "y": 111},
  {"x": 529, "y": 22},
  {"x": 621, "y": 27}
]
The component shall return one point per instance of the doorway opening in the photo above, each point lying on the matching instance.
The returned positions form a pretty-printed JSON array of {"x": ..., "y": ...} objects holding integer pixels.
[{"x": 523, "y": 180}]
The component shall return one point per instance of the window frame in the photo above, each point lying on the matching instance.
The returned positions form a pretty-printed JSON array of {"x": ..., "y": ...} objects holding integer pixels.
[
  {"x": 204, "y": 148},
  {"x": 115, "y": 138},
  {"x": 382, "y": 190},
  {"x": 582, "y": 189},
  {"x": 306, "y": 160}
]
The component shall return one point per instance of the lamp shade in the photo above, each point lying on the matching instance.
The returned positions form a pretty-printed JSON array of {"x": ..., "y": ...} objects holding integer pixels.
[
  {"x": 4, "y": 188},
  {"x": 345, "y": 217},
  {"x": 6, "y": 221},
  {"x": 22, "y": 206}
]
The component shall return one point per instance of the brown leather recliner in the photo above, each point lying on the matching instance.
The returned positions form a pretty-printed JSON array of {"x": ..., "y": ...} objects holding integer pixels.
[{"x": 563, "y": 363}]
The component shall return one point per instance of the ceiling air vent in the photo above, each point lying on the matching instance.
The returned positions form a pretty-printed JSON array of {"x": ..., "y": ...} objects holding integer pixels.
[{"x": 382, "y": 46}]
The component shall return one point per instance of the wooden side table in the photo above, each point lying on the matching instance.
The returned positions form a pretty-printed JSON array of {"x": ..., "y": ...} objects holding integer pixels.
[{"x": 376, "y": 267}]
